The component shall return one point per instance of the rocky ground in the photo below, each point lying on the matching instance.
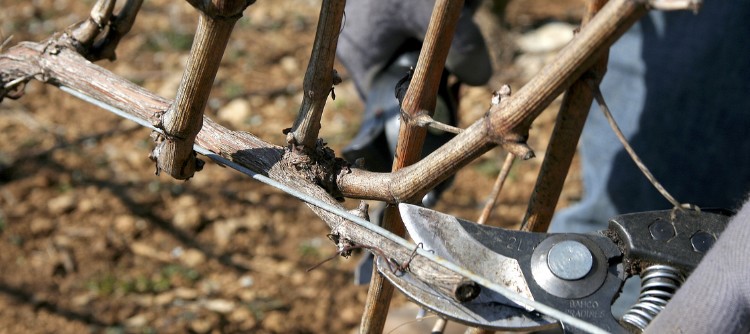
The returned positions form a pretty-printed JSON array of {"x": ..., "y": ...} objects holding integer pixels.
[{"x": 92, "y": 241}]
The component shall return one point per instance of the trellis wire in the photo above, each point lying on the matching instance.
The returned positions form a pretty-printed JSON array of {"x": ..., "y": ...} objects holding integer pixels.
[{"x": 504, "y": 291}]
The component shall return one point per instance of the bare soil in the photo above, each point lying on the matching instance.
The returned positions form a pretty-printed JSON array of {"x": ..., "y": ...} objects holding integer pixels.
[{"x": 92, "y": 241}]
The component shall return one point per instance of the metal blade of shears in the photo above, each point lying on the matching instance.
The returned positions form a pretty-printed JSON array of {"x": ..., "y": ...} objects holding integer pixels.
[{"x": 444, "y": 235}]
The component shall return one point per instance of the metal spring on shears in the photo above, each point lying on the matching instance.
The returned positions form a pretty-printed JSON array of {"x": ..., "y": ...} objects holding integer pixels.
[{"x": 658, "y": 284}]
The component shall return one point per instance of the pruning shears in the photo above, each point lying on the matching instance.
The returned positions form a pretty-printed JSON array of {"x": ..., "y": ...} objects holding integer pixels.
[{"x": 581, "y": 274}]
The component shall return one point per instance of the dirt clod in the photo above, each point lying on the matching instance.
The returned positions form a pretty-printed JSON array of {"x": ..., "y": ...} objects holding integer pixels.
[{"x": 61, "y": 204}]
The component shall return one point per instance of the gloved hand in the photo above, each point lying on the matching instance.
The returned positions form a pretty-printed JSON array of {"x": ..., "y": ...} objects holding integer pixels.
[
  {"x": 716, "y": 296},
  {"x": 380, "y": 41}
]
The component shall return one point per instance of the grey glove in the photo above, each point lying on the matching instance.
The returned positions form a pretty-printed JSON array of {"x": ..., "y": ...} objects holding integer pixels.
[
  {"x": 716, "y": 297},
  {"x": 380, "y": 41}
]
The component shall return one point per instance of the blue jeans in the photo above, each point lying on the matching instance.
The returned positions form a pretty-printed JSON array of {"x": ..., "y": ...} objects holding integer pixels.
[{"x": 678, "y": 85}]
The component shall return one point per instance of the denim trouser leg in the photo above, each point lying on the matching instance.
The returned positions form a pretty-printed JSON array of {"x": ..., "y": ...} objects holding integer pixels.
[{"x": 678, "y": 85}]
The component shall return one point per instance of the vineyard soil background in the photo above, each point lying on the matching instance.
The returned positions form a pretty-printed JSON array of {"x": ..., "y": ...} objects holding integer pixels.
[{"x": 92, "y": 241}]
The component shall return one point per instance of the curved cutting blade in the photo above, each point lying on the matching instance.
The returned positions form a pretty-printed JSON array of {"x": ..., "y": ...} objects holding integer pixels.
[
  {"x": 483, "y": 311},
  {"x": 444, "y": 235}
]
